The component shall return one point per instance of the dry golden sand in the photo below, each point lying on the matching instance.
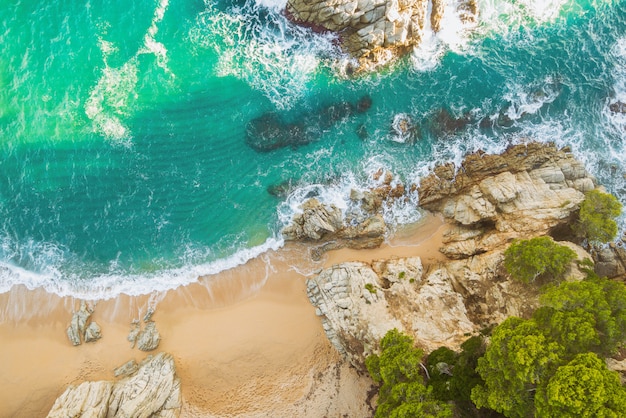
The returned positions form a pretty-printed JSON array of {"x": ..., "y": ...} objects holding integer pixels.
[{"x": 246, "y": 341}]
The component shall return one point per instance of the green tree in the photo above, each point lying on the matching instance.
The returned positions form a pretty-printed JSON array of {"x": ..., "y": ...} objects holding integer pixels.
[
  {"x": 402, "y": 393},
  {"x": 598, "y": 304},
  {"x": 518, "y": 359},
  {"x": 597, "y": 216},
  {"x": 453, "y": 375},
  {"x": 526, "y": 260},
  {"x": 584, "y": 388}
]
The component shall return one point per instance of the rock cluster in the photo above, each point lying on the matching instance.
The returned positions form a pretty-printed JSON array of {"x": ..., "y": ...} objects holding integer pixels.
[
  {"x": 378, "y": 31},
  {"x": 325, "y": 223},
  {"x": 146, "y": 339},
  {"x": 150, "y": 389},
  {"x": 80, "y": 329},
  {"x": 528, "y": 191}
]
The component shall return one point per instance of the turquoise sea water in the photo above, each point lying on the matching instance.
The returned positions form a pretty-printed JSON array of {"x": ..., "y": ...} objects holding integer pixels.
[{"x": 125, "y": 165}]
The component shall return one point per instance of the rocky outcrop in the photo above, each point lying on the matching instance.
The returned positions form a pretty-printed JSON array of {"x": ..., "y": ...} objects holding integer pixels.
[
  {"x": 79, "y": 329},
  {"x": 358, "y": 302},
  {"x": 153, "y": 390},
  {"x": 378, "y": 31},
  {"x": 325, "y": 224},
  {"x": 527, "y": 191},
  {"x": 611, "y": 262},
  {"x": 530, "y": 190},
  {"x": 146, "y": 339}
]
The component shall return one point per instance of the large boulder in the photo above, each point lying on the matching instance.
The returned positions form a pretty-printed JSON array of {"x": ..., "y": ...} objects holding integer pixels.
[
  {"x": 378, "y": 31},
  {"x": 80, "y": 329},
  {"x": 529, "y": 190},
  {"x": 153, "y": 390},
  {"x": 324, "y": 223}
]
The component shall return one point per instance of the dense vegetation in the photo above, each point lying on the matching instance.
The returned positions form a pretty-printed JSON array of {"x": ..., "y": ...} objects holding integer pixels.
[
  {"x": 541, "y": 257},
  {"x": 550, "y": 365},
  {"x": 402, "y": 393},
  {"x": 597, "y": 215}
]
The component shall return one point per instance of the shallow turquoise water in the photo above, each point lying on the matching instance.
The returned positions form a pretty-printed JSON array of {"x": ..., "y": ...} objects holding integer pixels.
[{"x": 125, "y": 166}]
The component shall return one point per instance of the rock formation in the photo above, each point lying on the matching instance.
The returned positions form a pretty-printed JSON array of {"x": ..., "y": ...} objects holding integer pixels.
[
  {"x": 146, "y": 339},
  {"x": 527, "y": 191},
  {"x": 325, "y": 224},
  {"x": 375, "y": 32},
  {"x": 152, "y": 390},
  {"x": 79, "y": 330}
]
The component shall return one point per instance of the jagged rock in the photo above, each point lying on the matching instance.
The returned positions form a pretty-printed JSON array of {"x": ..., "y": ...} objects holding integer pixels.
[
  {"x": 134, "y": 333},
  {"x": 152, "y": 391},
  {"x": 376, "y": 32},
  {"x": 92, "y": 333},
  {"x": 149, "y": 338},
  {"x": 325, "y": 223},
  {"x": 611, "y": 262},
  {"x": 618, "y": 107},
  {"x": 358, "y": 305},
  {"x": 126, "y": 369},
  {"x": 76, "y": 329},
  {"x": 404, "y": 130},
  {"x": 527, "y": 191}
]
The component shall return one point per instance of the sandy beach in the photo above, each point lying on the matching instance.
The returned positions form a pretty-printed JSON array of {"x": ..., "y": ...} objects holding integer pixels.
[{"x": 246, "y": 342}]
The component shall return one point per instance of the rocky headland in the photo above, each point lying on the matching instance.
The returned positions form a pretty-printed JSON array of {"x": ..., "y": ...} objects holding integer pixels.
[
  {"x": 376, "y": 32},
  {"x": 527, "y": 191}
]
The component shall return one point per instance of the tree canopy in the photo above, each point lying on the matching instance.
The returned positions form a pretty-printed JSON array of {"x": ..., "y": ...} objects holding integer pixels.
[
  {"x": 526, "y": 260},
  {"x": 597, "y": 216},
  {"x": 561, "y": 342},
  {"x": 584, "y": 388},
  {"x": 402, "y": 393}
]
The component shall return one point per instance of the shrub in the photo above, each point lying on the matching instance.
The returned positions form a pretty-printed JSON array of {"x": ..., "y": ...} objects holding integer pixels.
[
  {"x": 597, "y": 216},
  {"x": 370, "y": 287},
  {"x": 526, "y": 260}
]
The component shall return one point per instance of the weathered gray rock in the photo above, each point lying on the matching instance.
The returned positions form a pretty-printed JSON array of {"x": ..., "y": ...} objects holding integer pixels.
[
  {"x": 325, "y": 224},
  {"x": 126, "y": 369},
  {"x": 152, "y": 391},
  {"x": 376, "y": 32},
  {"x": 527, "y": 191},
  {"x": 611, "y": 262},
  {"x": 149, "y": 338},
  {"x": 92, "y": 332},
  {"x": 134, "y": 333},
  {"x": 78, "y": 324}
]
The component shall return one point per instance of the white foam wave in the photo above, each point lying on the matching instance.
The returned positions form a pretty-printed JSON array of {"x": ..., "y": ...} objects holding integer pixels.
[
  {"x": 255, "y": 43},
  {"x": 113, "y": 97},
  {"x": 109, "y": 285},
  {"x": 504, "y": 16}
]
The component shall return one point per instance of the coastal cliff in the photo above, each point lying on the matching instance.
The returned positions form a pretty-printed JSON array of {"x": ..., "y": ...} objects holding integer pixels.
[
  {"x": 527, "y": 191},
  {"x": 376, "y": 32}
]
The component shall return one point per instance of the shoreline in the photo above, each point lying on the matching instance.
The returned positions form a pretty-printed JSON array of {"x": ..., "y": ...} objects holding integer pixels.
[{"x": 246, "y": 341}]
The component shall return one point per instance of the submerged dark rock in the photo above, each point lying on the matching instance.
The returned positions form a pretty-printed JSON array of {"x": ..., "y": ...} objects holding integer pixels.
[
  {"x": 445, "y": 123},
  {"x": 618, "y": 107},
  {"x": 269, "y": 131}
]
